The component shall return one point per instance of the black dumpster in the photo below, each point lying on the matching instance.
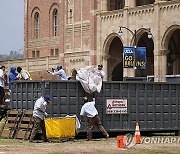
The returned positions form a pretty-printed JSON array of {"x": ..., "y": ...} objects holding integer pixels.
[{"x": 156, "y": 106}]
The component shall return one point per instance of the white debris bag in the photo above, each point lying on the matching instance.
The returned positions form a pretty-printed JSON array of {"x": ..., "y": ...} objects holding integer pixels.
[{"x": 90, "y": 79}]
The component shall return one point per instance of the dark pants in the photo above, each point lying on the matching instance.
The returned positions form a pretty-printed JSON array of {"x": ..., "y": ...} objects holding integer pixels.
[
  {"x": 95, "y": 121},
  {"x": 2, "y": 94},
  {"x": 38, "y": 124}
]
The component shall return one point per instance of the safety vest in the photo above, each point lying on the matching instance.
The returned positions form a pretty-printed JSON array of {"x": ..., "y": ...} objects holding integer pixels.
[{"x": 24, "y": 71}]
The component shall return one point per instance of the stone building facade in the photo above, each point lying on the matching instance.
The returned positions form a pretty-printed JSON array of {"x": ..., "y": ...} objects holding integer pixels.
[{"x": 85, "y": 32}]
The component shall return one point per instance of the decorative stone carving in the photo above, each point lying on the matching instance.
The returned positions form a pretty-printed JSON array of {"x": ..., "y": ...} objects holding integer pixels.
[
  {"x": 163, "y": 52},
  {"x": 169, "y": 7},
  {"x": 69, "y": 2},
  {"x": 76, "y": 60},
  {"x": 105, "y": 57}
]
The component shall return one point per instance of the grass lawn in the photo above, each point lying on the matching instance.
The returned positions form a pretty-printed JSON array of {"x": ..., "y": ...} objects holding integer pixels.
[{"x": 81, "y": 146}]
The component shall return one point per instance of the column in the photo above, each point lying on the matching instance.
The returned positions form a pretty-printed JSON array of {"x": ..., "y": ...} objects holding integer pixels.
[
  {"x": 127, "y": 37},
  {"x": 157, "y": 45},
  {"x": 104, "y": 63},
  {"x": 130, "y": 3},
  {"x": 163, "y": 68},
  {"x": 160, "y": 65},
  {"x": 27, "y": 64},
  {"x": 99, "y": 49},
  {"x": 26, "y": 27},
  {"x": 47, "y": 63},
  {"x": 103, "y": 5}
]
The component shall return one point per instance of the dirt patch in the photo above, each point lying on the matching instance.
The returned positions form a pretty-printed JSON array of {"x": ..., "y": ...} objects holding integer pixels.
[
  {"x": 81, "y": 146},
  {"x": 43, "y": 75}
]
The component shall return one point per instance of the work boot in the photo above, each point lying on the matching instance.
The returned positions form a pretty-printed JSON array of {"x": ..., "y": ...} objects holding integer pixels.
[
  {"x": 88, "y": 139},
  {"x": 31, "y": 141},
  {"x": 46, "y": 140},
  {"x": 107, "y": 136}
]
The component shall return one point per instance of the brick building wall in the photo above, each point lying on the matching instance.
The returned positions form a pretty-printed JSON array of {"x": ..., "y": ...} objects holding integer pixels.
[
  {"x": 46, "y": 40},
  {"x": 88, "y": 28},
  {"x": 76, "y": 40}
]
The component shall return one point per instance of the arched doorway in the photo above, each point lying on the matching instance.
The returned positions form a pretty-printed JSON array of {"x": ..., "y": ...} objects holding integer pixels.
[
  {"x": 115, "y": 59},
  {"x": 173, "y": 56},
  {"x": 117, "y": 72},
  {"x": 74, "y": 72},
  {"x": 144, "y": 41}
]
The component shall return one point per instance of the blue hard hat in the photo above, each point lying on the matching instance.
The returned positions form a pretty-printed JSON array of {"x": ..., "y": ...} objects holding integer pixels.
[
  {"x": 59, "y": 66},
  {"x": 47, "y": 98}
]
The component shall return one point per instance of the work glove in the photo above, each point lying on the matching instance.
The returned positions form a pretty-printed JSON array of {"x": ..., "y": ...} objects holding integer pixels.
[
  {"x": 45, "y": 114},
  {"x": 53, "y": 69}
]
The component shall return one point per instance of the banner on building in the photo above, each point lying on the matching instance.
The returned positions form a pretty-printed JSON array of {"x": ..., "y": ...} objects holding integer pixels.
[
  {"x": 116, "y": 106},
  {"x": 140, "y": 58},
  {"x": 128, "y": 57}
]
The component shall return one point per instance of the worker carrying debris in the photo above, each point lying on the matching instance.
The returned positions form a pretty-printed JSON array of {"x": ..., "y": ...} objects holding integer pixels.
[{"x": 89, "y": 110}]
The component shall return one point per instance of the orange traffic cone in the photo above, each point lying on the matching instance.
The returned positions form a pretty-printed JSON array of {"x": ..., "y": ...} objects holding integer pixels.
[
  {"x": 121, "y": 141},
  {"x": 137, "y": 136}
]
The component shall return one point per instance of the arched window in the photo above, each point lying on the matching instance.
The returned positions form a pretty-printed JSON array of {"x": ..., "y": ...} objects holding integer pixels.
[
  {"x": 116, "y": 4},
  {"x": 70, "y": 16},
  {"x": 119, "y": 4},
  {"x": 55, "y": 22},
  {"x": 37, "y": 26},
  {"x": 144, "y": 2}
]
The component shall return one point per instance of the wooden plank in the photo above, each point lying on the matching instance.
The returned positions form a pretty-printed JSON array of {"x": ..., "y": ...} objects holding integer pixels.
[
  {"x": 5, "y": 133},
  {"x": 13, "y": 112},
  {"x": 27, "y": 135},
  {"x": 20, "y": 134},
  {"x": 28, "y": 112},
  {"x": 23, "y": 126},
  {"x": 26, "y": 126},
  {"x": 11, "y": 118},
  {"x": 26, "y": 119},
  {"x": 30, "y": 126},
  {"x": 10, "y": 125}
]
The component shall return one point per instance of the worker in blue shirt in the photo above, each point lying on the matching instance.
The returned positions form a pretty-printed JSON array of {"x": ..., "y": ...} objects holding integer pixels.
[
  {"x": 60, "y": 72},
  {"x": 13, "y": 75}
]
